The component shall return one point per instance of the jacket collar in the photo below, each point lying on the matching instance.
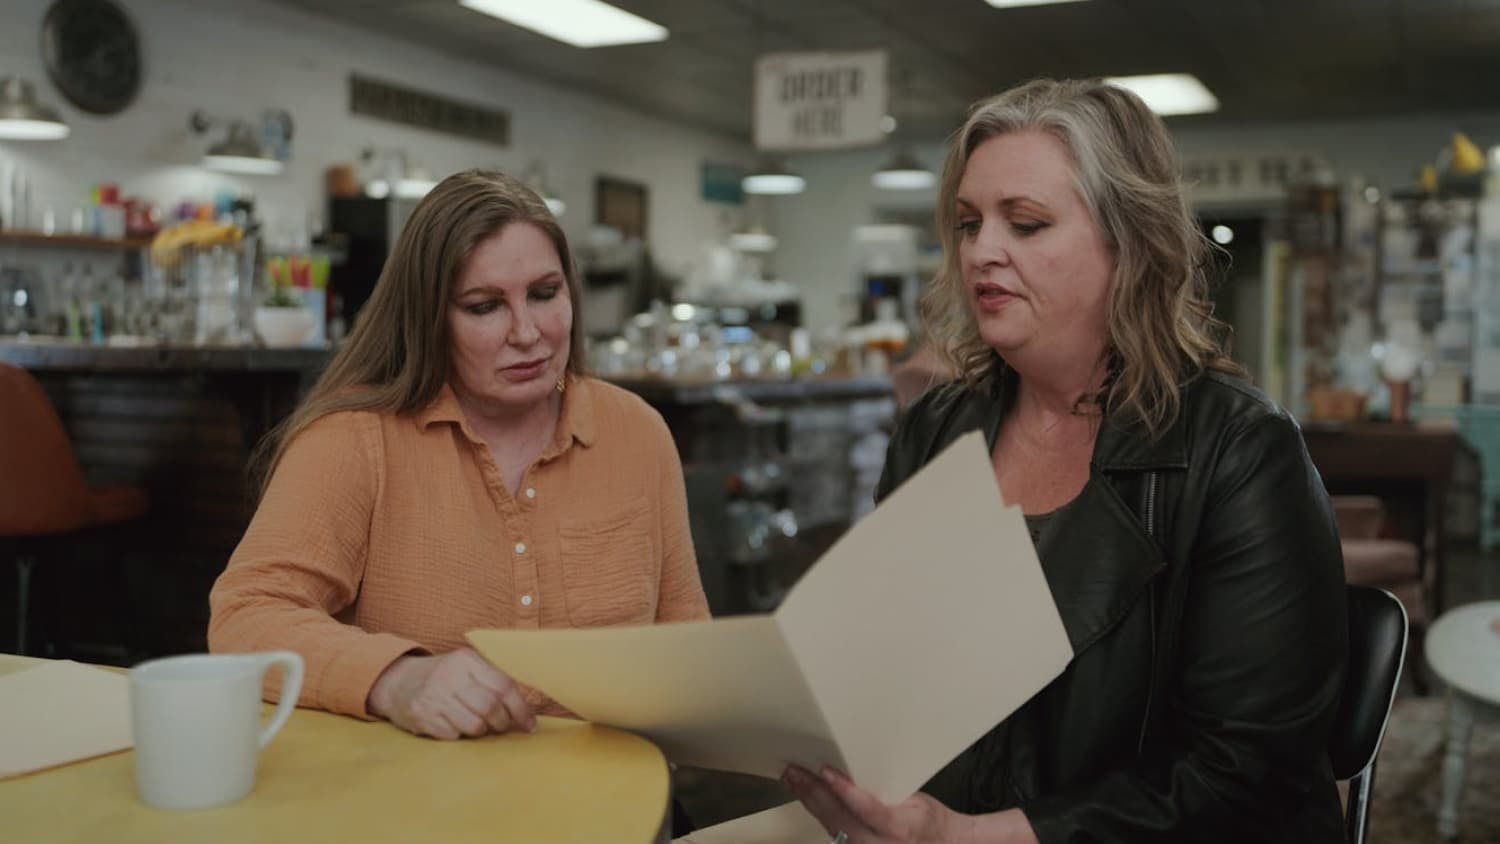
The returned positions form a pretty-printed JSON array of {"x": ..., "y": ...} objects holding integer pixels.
[
  {"x": 1130, "y": 448},
  {"x": 575, "y": 424},
  {"x": 1118, "y": 447}
]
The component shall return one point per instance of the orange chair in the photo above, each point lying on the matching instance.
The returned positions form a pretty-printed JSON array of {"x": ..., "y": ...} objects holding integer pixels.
[{"x": 43, "y": 494}]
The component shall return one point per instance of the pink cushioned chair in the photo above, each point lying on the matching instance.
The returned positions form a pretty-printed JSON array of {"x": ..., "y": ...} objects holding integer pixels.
[{"x": 1390, "y": 564}]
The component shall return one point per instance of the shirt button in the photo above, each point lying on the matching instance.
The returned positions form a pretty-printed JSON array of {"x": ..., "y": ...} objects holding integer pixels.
[
  {"x": 520, "y": 547},
  {"x": 525, "y": 600},
  {"x": 530, "y": 492}
]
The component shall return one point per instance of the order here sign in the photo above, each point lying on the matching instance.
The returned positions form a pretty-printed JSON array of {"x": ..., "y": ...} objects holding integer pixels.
[{"x": 819, "y": 100}]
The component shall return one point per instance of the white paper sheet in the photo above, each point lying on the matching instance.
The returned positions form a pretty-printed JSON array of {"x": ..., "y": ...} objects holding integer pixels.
[
  {"x": 60, "y": 712},
  {"x": 927, "y": 624},
  {"x": 785, "y": 824}
]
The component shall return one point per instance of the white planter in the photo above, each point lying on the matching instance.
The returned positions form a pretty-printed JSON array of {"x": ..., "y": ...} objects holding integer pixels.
[{"x": 284, "y": 326}]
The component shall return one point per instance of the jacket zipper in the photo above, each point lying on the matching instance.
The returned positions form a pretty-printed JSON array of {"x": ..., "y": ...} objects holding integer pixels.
[
  {"x": 1151, "y": 505},
  {"x": 1150, "y": 520}
]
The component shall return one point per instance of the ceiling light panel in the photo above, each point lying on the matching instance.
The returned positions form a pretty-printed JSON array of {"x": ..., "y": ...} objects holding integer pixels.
[
  {"x": 1011, "y": 4},
  {"x": 581, "y": 23},
  {"x": 1169, "y": 93}
]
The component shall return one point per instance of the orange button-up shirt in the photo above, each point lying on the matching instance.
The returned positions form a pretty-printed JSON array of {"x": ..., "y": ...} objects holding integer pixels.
[{"x": 381, "y": 535}]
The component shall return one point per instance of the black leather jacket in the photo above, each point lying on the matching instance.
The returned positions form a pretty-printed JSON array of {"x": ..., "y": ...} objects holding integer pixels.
[{"x": 1200, "y": 580}]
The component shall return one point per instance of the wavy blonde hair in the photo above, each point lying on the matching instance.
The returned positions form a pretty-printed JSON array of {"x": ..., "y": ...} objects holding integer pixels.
[
  {"x": 399, "y": 355},
  {"x": 1162, "y": 331}
]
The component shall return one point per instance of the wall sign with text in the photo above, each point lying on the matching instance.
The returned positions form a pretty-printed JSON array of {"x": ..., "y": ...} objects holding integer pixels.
[
  {"x": 1248, "y": 178},
  {"x": 819, "y": 100},
  {"x": 400, "y": 104}
]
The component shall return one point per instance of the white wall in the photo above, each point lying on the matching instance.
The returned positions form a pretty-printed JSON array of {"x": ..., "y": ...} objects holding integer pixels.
[
  {"x": 816, "y": 227},
  {"x": 816, "y": 245},
  {"x": 239, "y": 57}
]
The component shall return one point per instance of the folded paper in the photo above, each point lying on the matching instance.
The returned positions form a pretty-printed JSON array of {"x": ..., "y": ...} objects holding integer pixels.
[{"x": 924, "y": 626}]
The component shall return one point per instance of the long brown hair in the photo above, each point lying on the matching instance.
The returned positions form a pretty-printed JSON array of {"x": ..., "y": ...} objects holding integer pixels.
[
  {"x": 398, "y": 356},
  {"x": 1161, "y": 326}
]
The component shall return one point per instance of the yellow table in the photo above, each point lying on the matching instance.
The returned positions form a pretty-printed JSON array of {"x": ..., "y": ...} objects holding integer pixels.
[{"x": 327, "y": 778}]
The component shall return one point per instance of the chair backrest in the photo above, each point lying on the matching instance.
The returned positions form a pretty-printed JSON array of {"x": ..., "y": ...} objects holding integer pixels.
[
  {"x": 1377, "y": 649},
  {"x": 42, "y": 490},
  {"x": 1359, "y": 516}
]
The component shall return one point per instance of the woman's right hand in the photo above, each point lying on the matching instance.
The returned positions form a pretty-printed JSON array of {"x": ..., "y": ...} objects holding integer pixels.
[{"x": 450, "y": 696}]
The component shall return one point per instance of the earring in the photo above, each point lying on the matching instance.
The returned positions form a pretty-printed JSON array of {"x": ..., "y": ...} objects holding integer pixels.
[{"x": 562, "y": 383}]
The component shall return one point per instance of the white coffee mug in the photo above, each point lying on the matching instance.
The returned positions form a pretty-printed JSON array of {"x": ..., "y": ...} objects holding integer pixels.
[{"x": 197, "y": 728}]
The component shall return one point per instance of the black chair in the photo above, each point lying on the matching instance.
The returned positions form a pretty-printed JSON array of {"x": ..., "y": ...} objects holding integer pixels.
[{"x": 1377, "y": 649}]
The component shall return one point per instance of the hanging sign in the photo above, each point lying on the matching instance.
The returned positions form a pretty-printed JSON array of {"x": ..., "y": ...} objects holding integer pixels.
[{"x": 819, "y": 100}]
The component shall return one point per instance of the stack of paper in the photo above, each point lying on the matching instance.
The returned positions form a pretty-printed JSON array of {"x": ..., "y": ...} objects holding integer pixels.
[
  {"x": 61, "y": 712},
  {"x": 927, "y": 624}
]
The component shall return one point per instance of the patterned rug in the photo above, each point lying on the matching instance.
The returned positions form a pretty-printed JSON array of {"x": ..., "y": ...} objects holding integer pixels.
[{"x": 1409, "y": 776}]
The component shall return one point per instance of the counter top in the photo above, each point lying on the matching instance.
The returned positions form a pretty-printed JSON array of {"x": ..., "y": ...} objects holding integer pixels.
[
  {"x": 659, "y": 391},
  {"x": 44, "y": 355},
  {"x": 53, "y": 355}
]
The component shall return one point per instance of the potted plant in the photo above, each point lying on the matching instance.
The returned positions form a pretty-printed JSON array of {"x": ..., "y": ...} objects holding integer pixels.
[{"x": 282, "y": 319}]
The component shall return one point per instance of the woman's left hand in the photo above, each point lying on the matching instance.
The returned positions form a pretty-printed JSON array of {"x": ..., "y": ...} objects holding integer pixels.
[{"x": 842, "y": 806}]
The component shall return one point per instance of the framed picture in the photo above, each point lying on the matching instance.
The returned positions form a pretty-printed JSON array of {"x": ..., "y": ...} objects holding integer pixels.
[{"x": 621, "y": 204}]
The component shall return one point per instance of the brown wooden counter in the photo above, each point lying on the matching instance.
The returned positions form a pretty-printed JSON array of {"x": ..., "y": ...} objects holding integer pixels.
[{"x": 1410, "y": 467}]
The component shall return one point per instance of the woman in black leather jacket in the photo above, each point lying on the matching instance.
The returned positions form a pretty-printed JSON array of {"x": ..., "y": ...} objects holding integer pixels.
[{"x": 1185, "y": 535}]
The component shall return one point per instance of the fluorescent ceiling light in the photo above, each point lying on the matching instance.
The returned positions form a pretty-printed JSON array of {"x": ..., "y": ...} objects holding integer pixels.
[
  {"x": 773, "y": 183},
  {"x": 753, "y": 240},
  {"x": 32, "y": 130},
  {"x": 414, "y": 188},
  {"x": 903, "y": 172},
  {"x": 1169, "y": 93},
  {"x": 904, "y": 179},
  {"x": 582, "y": 23},
  {"x": 772, "y": 177},
  {"x": 242, "y": 164},
  {"x": 1011, "y": 4},
  {"x": 884, "y": 233}
]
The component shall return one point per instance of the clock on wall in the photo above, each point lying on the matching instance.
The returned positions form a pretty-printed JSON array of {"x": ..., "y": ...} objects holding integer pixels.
[{"x": 93, "y": 54}]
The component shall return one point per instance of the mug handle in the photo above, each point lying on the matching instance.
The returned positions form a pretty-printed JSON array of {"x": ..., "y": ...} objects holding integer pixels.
[{"x": 291, "y": 686}]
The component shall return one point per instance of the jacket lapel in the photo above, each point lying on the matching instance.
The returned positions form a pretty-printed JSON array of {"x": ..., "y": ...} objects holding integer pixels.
[
  {"x": 1129, "y": 448},
  {"x": 1099, "y": 562}
]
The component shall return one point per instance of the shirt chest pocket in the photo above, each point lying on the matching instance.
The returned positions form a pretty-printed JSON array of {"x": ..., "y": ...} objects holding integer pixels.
[{"x": 610, "y": 568}]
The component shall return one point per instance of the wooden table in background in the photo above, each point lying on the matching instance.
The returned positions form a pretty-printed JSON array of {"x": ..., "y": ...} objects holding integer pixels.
[
  {"x": 1397, "y": 463},
  {"x": 330, "y": 778}
]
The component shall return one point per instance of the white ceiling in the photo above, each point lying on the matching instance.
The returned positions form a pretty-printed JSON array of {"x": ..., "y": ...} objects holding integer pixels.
[{"x": 1267, "y": 60}]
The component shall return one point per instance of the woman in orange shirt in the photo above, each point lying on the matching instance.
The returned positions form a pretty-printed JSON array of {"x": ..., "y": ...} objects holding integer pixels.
[{"x": 454, "y": 468}]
